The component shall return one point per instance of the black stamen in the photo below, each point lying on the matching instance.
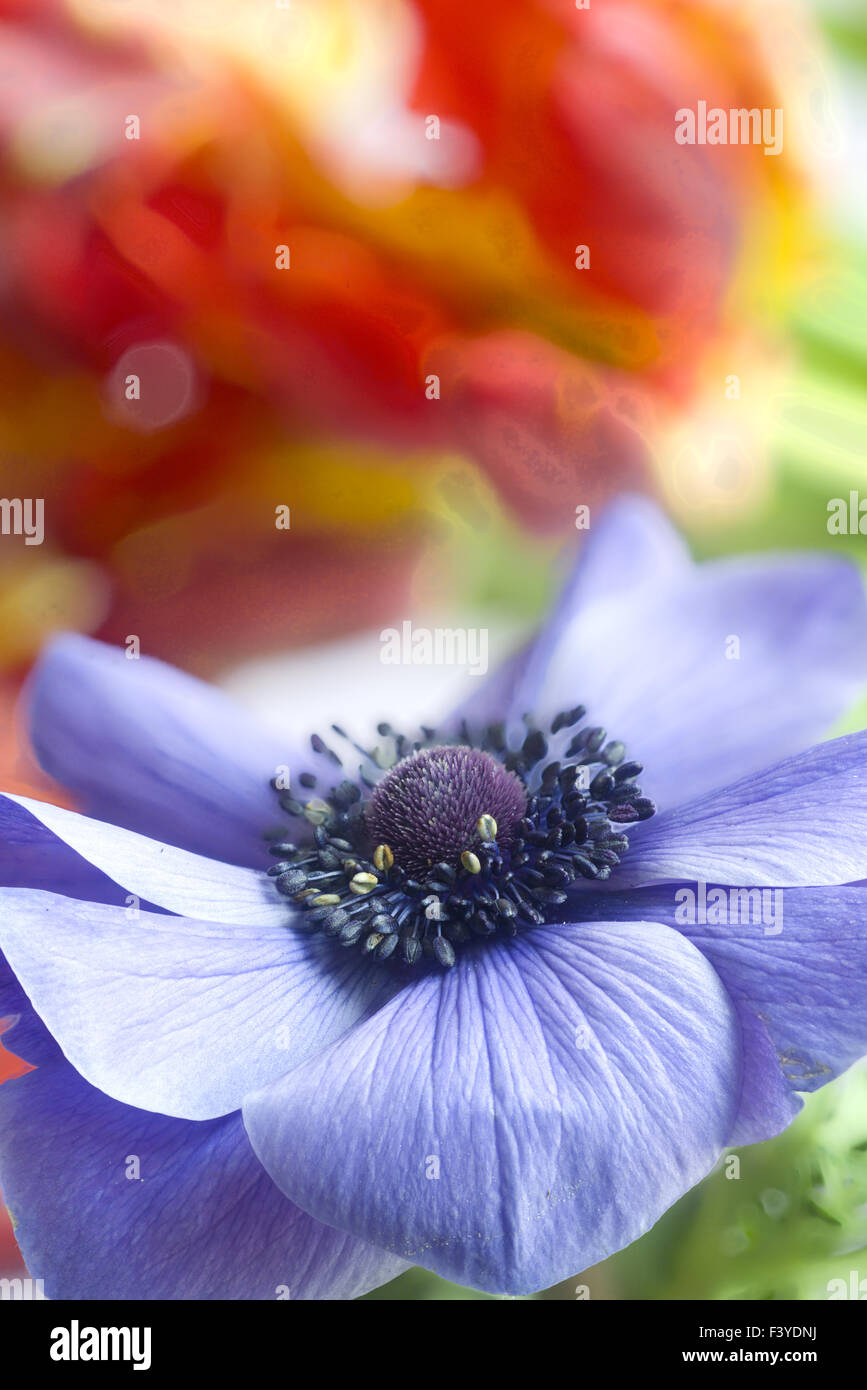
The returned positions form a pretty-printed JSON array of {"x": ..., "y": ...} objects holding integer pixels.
[{"x": 439, "y": 843}]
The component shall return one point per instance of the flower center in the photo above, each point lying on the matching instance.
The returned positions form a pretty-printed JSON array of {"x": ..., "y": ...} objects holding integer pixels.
[
  {"x": 427, "y": 808},
  {"x": 437, "y": 843}
]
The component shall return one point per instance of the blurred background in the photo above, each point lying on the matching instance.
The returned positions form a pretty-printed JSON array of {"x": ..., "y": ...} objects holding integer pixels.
[{"x": 319, "y": 315}]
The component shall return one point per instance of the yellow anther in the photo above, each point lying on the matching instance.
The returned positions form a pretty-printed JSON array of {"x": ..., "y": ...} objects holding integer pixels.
[
  {"x": 487, "y": 828},
  {"x": 317, "y": 811},
  {"x": 383, "y": 857},
  {"x": 363, "y": 883},
  {"x": 471, "y": 862}
]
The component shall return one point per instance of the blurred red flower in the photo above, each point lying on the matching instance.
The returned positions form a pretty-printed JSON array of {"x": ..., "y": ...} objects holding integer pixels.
[{"x": 238, "y": 275}]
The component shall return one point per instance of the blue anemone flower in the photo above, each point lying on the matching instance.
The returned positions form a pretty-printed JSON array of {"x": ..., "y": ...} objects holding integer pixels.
[{"x": 495, "y": 1004}]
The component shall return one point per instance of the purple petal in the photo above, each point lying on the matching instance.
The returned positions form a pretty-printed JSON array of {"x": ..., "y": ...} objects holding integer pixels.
[
  {"x": 176, "y": 1015},
  {"x": 805, "y": 977},
  {"x": 31, "y": 856},
  {"x": 172, "y": 878},
  {"x": 632, "y": 544},
  {"x": 643, "y": 638},
  {"x": 795, "y": 964},
  {"x": 473, "y": 1126},
  {"x": 802, "y": 822},
  {"x": 767, "y": 1103},
  {"x": 152, "y": 749},
  {"x": 632, "y": 550},
  {"x": 26, "y": 1036},
  {"x": 199, "y": 1219}
]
